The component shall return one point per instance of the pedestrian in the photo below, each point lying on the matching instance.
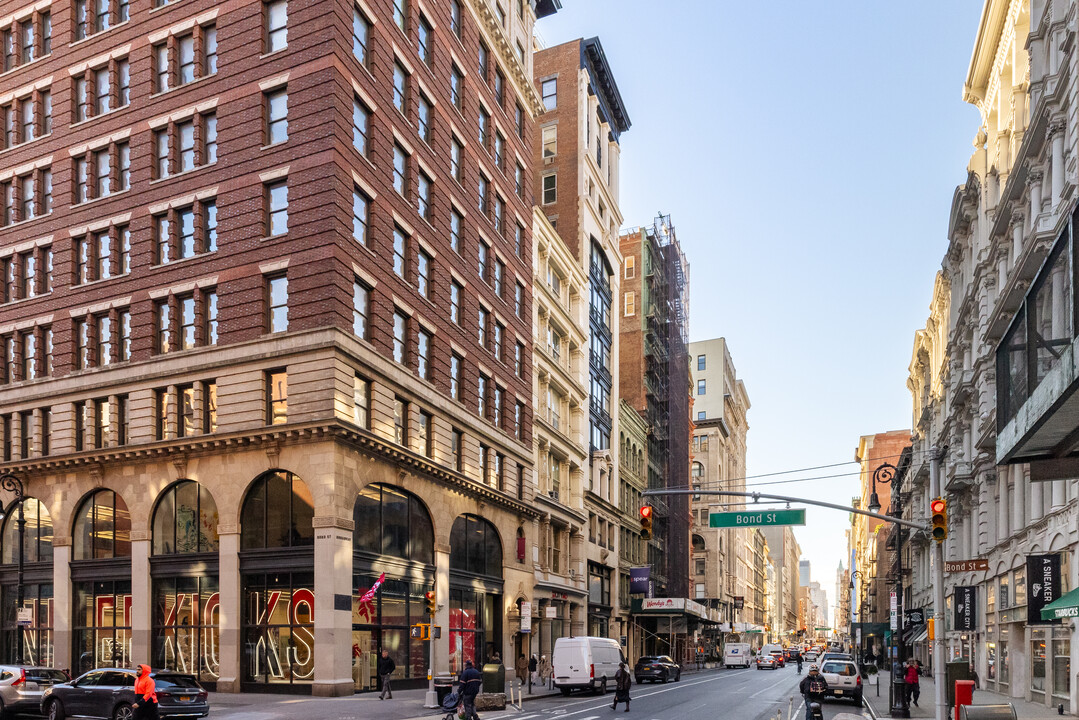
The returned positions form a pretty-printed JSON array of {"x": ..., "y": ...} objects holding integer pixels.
[
  {"x": 386, "y": 666},
  {"x": 546, "y": 672},
  {"x": 813, "y": 688},
  {"x": 520, "y": 668},
  {"x": 145, "y": 705},
  {"x": 622, "y": 682},
  {"x": 471, "y": 680},
  {"x": 914, "y": 691},
  {"x": 533, "y": 676}
]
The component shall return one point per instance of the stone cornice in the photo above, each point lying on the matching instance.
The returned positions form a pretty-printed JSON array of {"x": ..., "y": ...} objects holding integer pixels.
[{"x": 491, "y": 28}]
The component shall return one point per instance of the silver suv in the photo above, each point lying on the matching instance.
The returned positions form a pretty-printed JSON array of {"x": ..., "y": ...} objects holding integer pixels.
[{"x": 21, "y": 687}]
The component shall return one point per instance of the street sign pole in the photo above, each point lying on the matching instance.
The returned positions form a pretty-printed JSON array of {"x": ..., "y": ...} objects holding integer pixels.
[{"x": 938, "y": 596}]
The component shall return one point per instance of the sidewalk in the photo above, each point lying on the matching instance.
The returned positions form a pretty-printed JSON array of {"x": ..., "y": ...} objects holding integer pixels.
[
  {"x": 405, "y": 704},
  {"x": 1023, "y": 709}
]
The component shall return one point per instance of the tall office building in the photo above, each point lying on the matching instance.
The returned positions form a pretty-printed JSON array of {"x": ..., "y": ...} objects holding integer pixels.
[{"x": 266, "y": 319}]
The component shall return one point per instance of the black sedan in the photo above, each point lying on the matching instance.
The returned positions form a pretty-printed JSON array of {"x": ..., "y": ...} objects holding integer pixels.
[
  {"x": 110, "y": 692},
  {"x": 657, "y": 668}
]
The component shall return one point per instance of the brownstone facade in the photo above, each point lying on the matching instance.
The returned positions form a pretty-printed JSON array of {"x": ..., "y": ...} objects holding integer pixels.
[{"x": 276, "y": 227}]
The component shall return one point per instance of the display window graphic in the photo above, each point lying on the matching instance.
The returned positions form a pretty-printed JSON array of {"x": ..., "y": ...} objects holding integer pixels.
[
  {"x": 187, "y": 621},
  {"x": 279, "y": 645},
  {"x": 37, "y": 638},
  {"x": 102, "y": 632}
]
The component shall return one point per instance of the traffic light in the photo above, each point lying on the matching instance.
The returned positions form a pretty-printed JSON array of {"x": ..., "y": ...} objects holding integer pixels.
[
  {"x": 931, "y": 627},
  {"x": 646, "y": 521},
  {"x": 429, "y": 600},
  {"x": 939, "y": 510}
]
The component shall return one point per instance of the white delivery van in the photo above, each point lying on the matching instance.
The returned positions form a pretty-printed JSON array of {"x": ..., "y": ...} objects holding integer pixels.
[
  {"x": 586, "y": 663},
  {"x": 736, "y": 655}
]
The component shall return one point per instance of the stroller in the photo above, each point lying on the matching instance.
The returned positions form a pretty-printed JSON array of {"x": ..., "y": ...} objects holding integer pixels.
[{"x": 451, "y": 702}]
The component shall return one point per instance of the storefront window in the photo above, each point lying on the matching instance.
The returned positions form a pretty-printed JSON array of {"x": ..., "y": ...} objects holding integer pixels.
[
  {"x": 102, "y": 527},
  {"x": 1037, "y": 664},
  {"x": 383, "y": 624},
  {"x": 1019, "y": 587},
  {"x": 1003, "y": 650},
  {"x": 475, "y": 627},
  {"x": 37, "y": 541},
  {"x": 37, "y": 639},
  {"x": 187, "y": 620},
  {"x": 279, "y": 629},
  {"x": 1061, "y": 664},
  {"x": 102, "y": 624},
  {"x": 185, "y": 520},
  {"x": 1004, "y": 592},
  {"x": 277, "y": 513},
  {"x": 391, "y": 521},
  {"x": 475, "y": 547}
]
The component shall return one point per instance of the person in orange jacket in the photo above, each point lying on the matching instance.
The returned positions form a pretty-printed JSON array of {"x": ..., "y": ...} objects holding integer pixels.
[{"x": 145, "y": 705}]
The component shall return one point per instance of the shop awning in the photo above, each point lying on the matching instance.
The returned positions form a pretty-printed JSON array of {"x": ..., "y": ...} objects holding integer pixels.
[
  {"x": 1064, "y": 607},
  {"x": 921, "y": 637}
]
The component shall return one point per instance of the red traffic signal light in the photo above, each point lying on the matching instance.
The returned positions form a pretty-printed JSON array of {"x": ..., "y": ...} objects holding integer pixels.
[
  {"x": 938, "y": 507},
  {"x": 429, "y": 600},
  {"x": 646, "y": 521}
]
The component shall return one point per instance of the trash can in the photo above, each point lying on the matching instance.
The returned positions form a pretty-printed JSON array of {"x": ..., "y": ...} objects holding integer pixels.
[
  {"x": 964, "y": 695},
  {"x": 958, "y": 670},
  {"x": 987, "y": 712},
  {"x": 494, "y": 678},
  {"x": 443, "y": 687}
]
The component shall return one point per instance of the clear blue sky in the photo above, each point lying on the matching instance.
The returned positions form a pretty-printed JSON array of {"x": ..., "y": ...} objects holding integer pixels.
[{"x": 807, "y": 153}]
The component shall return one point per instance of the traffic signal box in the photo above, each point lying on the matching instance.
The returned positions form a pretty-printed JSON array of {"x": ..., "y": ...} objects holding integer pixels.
[
  {"x": 646, "y": 521},
  {"x": 939, "y": 521},
  {"x": 429, "y": 600}
]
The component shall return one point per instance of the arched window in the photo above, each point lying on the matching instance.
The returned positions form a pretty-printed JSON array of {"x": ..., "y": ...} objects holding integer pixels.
[
  {"x": 185, "y": 520},
  {"x": 475, "y": 547},
  {"x": 698, "y": 470},
  {"x": 391, "y": 521},
  {"x": 698, "y": 544},
  {"x": 102, "y": 527},
  {"x": 38, "y": 540},
  {"x": 277, "y": 513}
]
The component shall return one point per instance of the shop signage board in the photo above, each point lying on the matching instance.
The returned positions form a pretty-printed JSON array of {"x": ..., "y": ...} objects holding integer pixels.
[
  {"x": 893, "y": 607},
  {"x": 526, "y": 617},
  {"x": 965, "y": 601},
  {"x": 757, "y": 518},
  {"x": 25, "y": 617},
  {"x": 914, "y": 617},
  {"x": 1043, "y": 585},
  {"x": 551, "y": 612},
  {"x": 639, "y": 578},
  {"x": 739, "y": 602},
  {"x": 955, "y": 566}
]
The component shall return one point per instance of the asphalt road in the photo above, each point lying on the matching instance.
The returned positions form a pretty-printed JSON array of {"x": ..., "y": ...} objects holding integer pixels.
[{"x": 734, "y": 694}]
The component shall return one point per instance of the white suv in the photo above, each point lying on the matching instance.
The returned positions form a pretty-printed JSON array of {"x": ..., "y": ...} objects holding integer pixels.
[{"x": 843, "y": 679}]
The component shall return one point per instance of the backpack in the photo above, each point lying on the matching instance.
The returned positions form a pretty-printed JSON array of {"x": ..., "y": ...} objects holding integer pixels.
[{"x": 816, "y": 686}]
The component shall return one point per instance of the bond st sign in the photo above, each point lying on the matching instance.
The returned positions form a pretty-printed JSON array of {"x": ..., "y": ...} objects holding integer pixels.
[{"x": 757, "y": 518}]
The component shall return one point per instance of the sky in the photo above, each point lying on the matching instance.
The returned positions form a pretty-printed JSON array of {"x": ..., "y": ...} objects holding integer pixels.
[{"x": 807, "y": 154}]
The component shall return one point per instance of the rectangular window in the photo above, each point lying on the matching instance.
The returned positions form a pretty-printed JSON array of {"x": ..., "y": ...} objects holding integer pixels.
[
  {"x": 519, "y": 360},
  {"x": 455, "y": 302},
  {"x": 360, "y": 121},
  {"x": 277, "y": 116},
  {"x": 519, "y": 120},
  {"x": 424, "y": 114},
  {"x": 400, "y": 170},
  {"x": 400, "y": 421},
  {"x": 457, "y": 86},
  {"x": 361, "y": 33},
  {"x": 483, "y": 124},
  {"x": 549, "y": 91},
  {"x": 456, "y": 220},
  {"x": 209, "y": 311},
  {"x": 426, "y": 433},
  {"x": 423, "y": 270},
  {"x": 455, "y": 377},
  {"x": 162, "y": 239},
  {"x": 400, "y": 337},
  {"x": 123, "y": 82},
  {"x": 550, "y": 141},
  {"x": 209, "y": 399},
  {"x": 185, "y": 410},
  {"x": 481, "y": 395},
  {"x": 455, "y": 18},
  {"x": 161, "y": 68},
  {"x": 361, "y": 401},
  {"x": 519, "y": 180},
  {"x": 519, "y": 300},
  {"x": 187, "y": 322},
  {"x": 400, "y": 14},
  {"x": 481, "y": 327},
  {"x": 702, "y": 387},
  {"x": 163, "y": 326},
  {"x": 185, "y": 48},
  {"x": 400, "y": 88},
  {"x": 277, "y": 206},
  {"x": 123, "y": 322},
  {"x": 359, "y": 308},
  {"x": 631, "y": 304},
  {"x": 481, "y": 260},
  {"x": 456, "y": 444},
  {"x": 400, "y": 258},
  {"x": 500, "y": 271},
  {"x": 276, "y": 397},
  {"x": 701, "y": 360},
  {"x": 360, "y": 205},
  {"x": 423, "y": 196},
  {"x": 276, "y": 25},
  {"x": 185, "y": 133},
  {"x": 185, "y": 221},
  {"x": 482, "y": 187},
  {"x": 277, "y": 303},
  {"x": 423, "y": 355},
  {"x": 455, "y": 159},
  {"x": 550, "y": 193},
  {"x": 425, "y": 41},
  {"x": 161, "y": 413},
  {"x": 500, "y": 151},
  {"x": 209, "y": 50},
  {"x": 483, "y": 61}
]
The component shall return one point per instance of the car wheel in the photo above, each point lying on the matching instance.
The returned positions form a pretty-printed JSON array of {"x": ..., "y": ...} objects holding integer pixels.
[
  {"x": 678, "y": 677},
  {"x": 123, "y": 711},
  {"x": 565, "y": 692},
  {"x": 858, "y": 699},
  {"x": 666, "y": 677},
  {"x": 55, "y": 710},
  {"x": 603, "y": 687}
]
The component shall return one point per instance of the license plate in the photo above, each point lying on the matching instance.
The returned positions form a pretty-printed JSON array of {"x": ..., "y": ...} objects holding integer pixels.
[
  {"x": 186, "y": 698},
  {"x": 838, "y": 692}
]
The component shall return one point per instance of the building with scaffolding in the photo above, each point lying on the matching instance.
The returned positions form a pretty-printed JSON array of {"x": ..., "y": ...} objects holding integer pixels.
[{"x": 654, "y": 380}]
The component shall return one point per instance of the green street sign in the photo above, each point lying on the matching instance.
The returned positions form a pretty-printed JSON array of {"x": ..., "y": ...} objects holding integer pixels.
[{"x": 757, "y": 518}]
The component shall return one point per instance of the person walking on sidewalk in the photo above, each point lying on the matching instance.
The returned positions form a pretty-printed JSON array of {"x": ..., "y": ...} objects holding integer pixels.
[
  {"x": 533, "y": 676},
  {"x": 545, "y": 671},
  {"x": 520, "y": 668},
  {"x": 386, "y": 666},
  {"x": 471, "y": 680},
  {"x": 622, "y": 682},
  {"x": 145, "y": 705},
  {"x": 914, "y": 690}
]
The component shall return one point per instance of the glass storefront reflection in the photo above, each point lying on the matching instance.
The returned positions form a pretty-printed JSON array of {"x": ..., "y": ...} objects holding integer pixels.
[
  {"x": 187, "y": 615},
  {"x": 37, "y": 639},
  {"x": 279, "y": 630},
  {"x": 102, "y": 624}
]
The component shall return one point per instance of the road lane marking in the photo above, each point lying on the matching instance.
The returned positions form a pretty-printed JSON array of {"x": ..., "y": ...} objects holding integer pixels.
[
  {"x": 676, "y": 686},
  {"x": 770, "y": 687}
]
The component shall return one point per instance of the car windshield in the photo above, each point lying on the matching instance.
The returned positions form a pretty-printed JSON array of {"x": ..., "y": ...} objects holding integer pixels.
[
  {"x": 648, "y": 660},
  {"x": 840, "y": 668},
  {"x": 167, "y": 682}
]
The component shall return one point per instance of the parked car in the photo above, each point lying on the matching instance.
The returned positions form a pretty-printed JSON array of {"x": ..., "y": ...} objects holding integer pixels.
[
  {"x": 108, "y": 694},
  {"x": 843, "y": 679},
  {"x": 778, "y": 656},
  {"x": 585, "y": 663},
  {"x": 21, "y": 686},
  {"x": 835, "y": 656},
  {"x": 657, "y": 668},
  {"x": 737, "y": 655},
  {"x": 766, "y": 661}
]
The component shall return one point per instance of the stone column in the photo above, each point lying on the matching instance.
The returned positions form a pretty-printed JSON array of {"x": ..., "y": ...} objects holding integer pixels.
[
  {"x": 1019, "y": 497},
  {"x": 61, "y": 603},
  {"x": 975, "y": 510},
  {"x": 1056, "y": 133},
  {"x": 1060, "y": 494},
  {"x": 141, "y": 597},
  {"x": 442, "y": 616},
  {"x": 230, "y": 609},
  {"x": 1002, "y": 504},
  {"x": 333, "y": 607},
  {"x": 1018, "y": 230},
  {"x": 1037, "y": 501},
  {"x": 1034, "y": 181}
]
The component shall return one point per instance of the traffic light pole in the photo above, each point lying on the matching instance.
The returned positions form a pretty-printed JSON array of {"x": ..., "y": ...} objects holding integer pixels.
[
  {"x": 939, "y": 680},
  {"x": 431, "y": 701}
]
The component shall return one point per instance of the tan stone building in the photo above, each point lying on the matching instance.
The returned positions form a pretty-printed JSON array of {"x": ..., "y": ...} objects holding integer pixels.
[{"x": 632, "y": 475}]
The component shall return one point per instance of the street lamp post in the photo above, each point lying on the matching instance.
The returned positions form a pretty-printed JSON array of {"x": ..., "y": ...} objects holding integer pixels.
[
  {"x": 14, "y": 485},
  {"x": 854, "y": 650},
  {"x": 886, "y": 474}
]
